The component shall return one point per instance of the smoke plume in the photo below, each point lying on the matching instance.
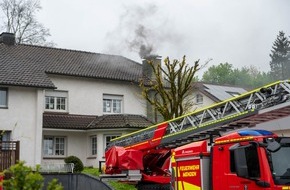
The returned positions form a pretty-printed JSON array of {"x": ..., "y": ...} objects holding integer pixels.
[{"x": 141, "y": 29}]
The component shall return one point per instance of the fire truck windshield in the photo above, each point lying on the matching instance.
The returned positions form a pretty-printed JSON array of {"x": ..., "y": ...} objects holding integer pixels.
[{"x": 280, "y": 163}]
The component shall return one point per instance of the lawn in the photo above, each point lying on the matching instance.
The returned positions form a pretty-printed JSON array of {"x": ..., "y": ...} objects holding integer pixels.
[{"x": 115, "y": 184}]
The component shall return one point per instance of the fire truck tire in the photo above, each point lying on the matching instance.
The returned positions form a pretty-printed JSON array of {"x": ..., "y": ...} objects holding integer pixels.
[{"x": 152, "y": 186}]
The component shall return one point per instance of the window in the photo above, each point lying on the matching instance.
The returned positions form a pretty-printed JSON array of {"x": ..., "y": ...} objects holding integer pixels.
[
  {"x": 56, "y": 100},
  {"x": 93, "y": 145},
  {"x": 3, "y": 97},
  {"x": 199, "y": 99},
  {"x": 108, "y": 138},
  {"x": 54, "y": 146},
  {"x": 112, "y": 103},
  {"x": 234, "y": 94},
  {"x": 5, "y": 137},
  {"x": 252, "y": 161}
]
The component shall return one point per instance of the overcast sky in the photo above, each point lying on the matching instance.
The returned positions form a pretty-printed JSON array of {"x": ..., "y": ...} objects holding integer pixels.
[{"x": 240, "y": 32}]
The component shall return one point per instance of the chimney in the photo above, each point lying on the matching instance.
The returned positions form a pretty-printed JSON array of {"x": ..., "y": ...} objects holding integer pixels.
[
  {"x": 146, "y": 68},
  {"x": 7, "y": 38}
]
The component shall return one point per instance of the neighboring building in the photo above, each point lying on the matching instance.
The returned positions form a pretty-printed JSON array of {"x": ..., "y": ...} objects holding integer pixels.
[
  {"x": 207, "y": 94},
  {"x": 60, "y": 102}
]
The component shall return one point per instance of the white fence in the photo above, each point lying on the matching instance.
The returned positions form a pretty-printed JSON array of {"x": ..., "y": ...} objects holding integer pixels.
[{"x": 57, "y": 168}]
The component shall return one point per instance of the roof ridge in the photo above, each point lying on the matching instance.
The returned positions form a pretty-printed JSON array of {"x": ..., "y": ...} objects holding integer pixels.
[
  {"x": 57, "y": 48},
  {"x": 79, "y": 51}
]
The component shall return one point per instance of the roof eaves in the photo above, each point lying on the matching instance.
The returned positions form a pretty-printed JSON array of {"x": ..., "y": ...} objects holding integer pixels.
[{"x": 27, "y": 85}]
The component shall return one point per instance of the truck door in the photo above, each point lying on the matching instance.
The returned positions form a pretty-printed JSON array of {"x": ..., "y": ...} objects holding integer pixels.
[
  {"x": 236, "y": 167},
  {"x": 246, "y": 167},
  {"x": 250, "y": 165}
]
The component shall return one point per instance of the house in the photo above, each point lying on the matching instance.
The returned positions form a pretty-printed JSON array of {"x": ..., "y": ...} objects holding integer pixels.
[
  {"x": 206, "y": 94},
  {"x": 59, "y": 102}
]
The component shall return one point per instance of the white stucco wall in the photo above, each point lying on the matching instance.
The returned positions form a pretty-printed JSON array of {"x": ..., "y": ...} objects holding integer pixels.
[
  {"x": 25, "y": 124},
  {"x": 86, "y": 95},
  {"x": 206, "y": 101}
]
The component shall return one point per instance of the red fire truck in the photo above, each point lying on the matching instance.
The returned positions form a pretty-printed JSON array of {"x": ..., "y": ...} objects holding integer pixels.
[{"x": 196, "y": 151}]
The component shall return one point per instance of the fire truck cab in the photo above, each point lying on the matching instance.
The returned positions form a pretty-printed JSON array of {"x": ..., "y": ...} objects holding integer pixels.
[{"x": 246, "y": 159}]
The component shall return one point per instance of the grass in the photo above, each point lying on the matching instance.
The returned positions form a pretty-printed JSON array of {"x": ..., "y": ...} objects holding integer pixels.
[
  {"x": 92, "y": 171},
  {"x": 115, "y": 184},
  {"x": 121, "y": 186}
]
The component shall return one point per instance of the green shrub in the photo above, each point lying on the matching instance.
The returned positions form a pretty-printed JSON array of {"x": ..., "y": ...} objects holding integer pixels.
[
  {"x": 78, "y": 164},
  {"x": 22, "y": 177},
  {"x": 54, "y": 185}
]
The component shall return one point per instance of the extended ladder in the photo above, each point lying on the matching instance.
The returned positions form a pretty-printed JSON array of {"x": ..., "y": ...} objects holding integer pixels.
[{"x": 257, "y": 106}]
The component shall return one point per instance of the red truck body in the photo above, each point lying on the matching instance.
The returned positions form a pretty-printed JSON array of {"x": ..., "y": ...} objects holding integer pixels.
[{"x": 257, "y": 167}]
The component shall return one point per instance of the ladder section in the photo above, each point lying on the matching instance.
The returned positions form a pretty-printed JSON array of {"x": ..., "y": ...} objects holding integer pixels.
[{"x": 257, "y": 106}]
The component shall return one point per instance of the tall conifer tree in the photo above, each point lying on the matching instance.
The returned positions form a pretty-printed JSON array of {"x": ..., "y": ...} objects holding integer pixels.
[{"x": 280, "y": 63}]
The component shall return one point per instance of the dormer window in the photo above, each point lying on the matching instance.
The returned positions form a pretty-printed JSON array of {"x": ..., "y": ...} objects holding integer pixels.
[{"x": 234, "y": 94}]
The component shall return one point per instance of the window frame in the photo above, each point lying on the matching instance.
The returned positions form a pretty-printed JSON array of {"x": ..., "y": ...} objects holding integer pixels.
[
  {"x": 54, "y": 146},
  {"x": 93, "y": 145},
  {"x": 5, "y": 136},
  {"x": 115, "y": 103},
  {"x": 115, "y": 135},
  {"x": 5, "y": 90},
  {"x": 55, "y": 98},
  {"x": 199, "y": 98}
]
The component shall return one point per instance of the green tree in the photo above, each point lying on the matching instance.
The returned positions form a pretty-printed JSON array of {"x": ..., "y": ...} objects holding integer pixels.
[
  {"x": 220, "y": 74},
  {"x": 280, "y": 63},
  {"x": 170, "y": 88},
  {"x": 249, "y": 77},
  {"x": 20, "y": 19}
]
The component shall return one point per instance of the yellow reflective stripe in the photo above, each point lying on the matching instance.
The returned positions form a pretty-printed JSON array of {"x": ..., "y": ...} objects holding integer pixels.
[
  {"x": 234, "y": 140},
  {"x": 182, "y": 185},
  {"x": 136, "y": 145},
  {"x": 156, "y": 139}
]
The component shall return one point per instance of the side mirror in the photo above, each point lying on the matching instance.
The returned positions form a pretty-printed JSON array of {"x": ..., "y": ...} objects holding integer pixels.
[
  {"x": 241, "y": 162},
  {"x": 273, "y": 146}
]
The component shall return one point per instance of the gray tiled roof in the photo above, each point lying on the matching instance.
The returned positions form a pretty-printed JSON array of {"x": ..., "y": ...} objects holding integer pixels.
[
  {"x": 120, "y": 121},
  {"x": 67, "y": 121},
  {"x": 85, "y": 122},
  {"x": 28, "y": 65}
]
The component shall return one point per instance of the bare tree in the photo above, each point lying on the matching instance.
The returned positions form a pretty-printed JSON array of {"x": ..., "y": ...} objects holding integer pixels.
[
  {"x": 170, "y": 90},
  {"x": 20, "y": 20}
]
